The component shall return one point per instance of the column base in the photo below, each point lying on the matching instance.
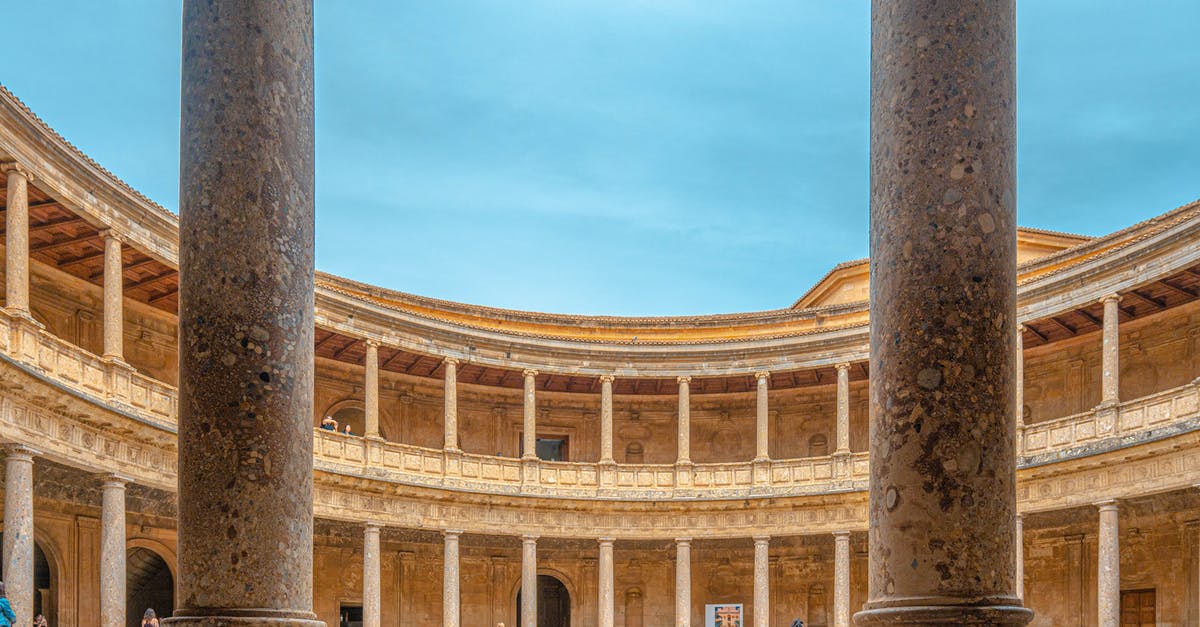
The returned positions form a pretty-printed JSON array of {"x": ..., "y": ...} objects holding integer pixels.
[
  {"x": 261, "y": 618},
  {"x": 1000, "y": 615}
]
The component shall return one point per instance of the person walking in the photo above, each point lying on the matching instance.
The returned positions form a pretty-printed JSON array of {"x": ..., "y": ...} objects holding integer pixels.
[
  {"x": 7, "y": 618},
  {"x": 149, "y": 619}
]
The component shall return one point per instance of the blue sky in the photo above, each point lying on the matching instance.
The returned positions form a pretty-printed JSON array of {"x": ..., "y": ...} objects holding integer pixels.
[{"x": 621, "y": 156}]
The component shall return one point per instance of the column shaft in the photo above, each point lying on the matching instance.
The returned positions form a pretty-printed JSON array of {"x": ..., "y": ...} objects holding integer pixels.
[
  {"x": 16, "y": 240},
  {"x": 450, "y": 416},
  {"x": 841, "y": 579},
  {"x": 683, "y": 582},
  {"x": 371, "y": 589},
  {"x": 843, "y": 408},
  {"x": 1110, "y": 388},
  {"x": 606, "y": 419},
  {"x": 1019, "y": 415},
  {"x": 529, "y": 605},
  {"x": 18, "y": 532},
  {"x": 1108, "y": 577},
  {"x": 529, "y": 437},
  {"x": 246, "y": 315},
  {"x": 112, "y": 553},
  {"x": 684, "y": 440},
  {"x": 943, "y": 313},
  {"x": 371, "y": 390},
  {"x": 762, "y": 428},
  {"x": 1020, "y": 559},
  {"x": 607, "y": 599},
  {"x": 762, "y": 582},
  {"x": 451, "y": 599},
  {"x": 114, "y": 304}
]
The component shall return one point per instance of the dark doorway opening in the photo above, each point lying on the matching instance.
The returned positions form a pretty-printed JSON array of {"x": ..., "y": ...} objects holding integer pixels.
[
  {"x": 350, "y": 616},
  {"x": 148, "y": 586},
  {"x": 554, "y": 603},
  {"x": 45, "y": 592}
]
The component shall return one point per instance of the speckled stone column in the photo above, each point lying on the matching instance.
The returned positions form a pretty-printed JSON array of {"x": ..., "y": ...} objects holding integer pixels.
[
  {"x": 1110, "y": 378},
  {"x": 606, "y": 595},
  {"x": 114, "y": 305},
  {"x": 606, "y": 419},
  {"x": 529, "y": 431},
  {"x": 18, "y": 531},
  {"x": 1108, "y": 577},
  {"x": 1019, "y": 380},
  {"x": 529, "y": 587},
  {"x": 112, "y": 552},
  {"x": 683, "y": 582},
  {"x": 371, "y": 585},
  {"x": 762, "y": 581},
  {"x": 843, "y": 408},
  {"x": 16, "y": 239},
  {"x": 841, "y": 579},
  {"x": 943, "y": 313},
  {"x": 246, "y": 315},
  {"x": 450, "y": 405},
  {"x": 1020, "y": 559},
  {"x": 762, "y": 442},
  {"x": 684, "y": 439},
  {"x": 451, "y": 579},
  {"x": 371, "y": 390}
]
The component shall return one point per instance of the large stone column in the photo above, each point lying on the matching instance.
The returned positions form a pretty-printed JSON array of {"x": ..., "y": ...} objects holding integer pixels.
[
  {"x": 943, "y": 313},
  {"x": 1110, "y": 377},
  {"x": 18, "y": 531},
  {"x": 762, "y": 422},
  {"x": 450, "y": 415},
  {"x": 607, "y": 599},
  {"x": 1108, "y": 577},
  {"x": 606, "y": 419},
  {"x": 16, "y": 239},
  {"x": 371, "y": 390},
  {"x": 762, "y": 581},
  {"x": 371, "y": 589},
  {"x": 841, "y": 579},
  {"x": 529, "y": 586},
  {"x": 529, "y": 432},
  {"x": 683, "y": 582},
  {"x": 451, "y": 611},
  {"x": 684, "y": 436},
  {"x": 843, "y": 409},
  {"x": 1020, "y": 559},
  {"x": 114, "y": 304},
  {"x": 246, "y": 315},
  {"x": 112, "y": 552}
]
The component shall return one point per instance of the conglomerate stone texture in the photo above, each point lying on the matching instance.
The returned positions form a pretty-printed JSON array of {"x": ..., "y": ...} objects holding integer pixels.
[
  {"x": 943, "y": 313},
  {"x": 246, "y": 314}
]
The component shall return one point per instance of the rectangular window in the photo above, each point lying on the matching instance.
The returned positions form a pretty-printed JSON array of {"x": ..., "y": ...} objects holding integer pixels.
[{"x": 550, "y": 449}]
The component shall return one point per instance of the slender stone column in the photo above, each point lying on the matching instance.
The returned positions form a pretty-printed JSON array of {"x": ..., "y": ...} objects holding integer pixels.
[
  {"x": 371, "y": 390},
  {"x": 246, "y": 315},
  {"x": 18, "y": 531},
  {"x": 16, "y": 239},
  {"x": 451, "y": 611},
  {"x": 683, "y": 582},
  {"x": 1020, "y": 546},
  {"x": 762, "y": 418},
  {"x": 1108, "y": 577},
  {"x": 685, "y": 421},
  {"x": 112, "y": 552},
  {"x": 1019, "y": 416},
  {"x": 841, "y": 579},
  {"x": 450, "y": 415},
  {"x": 371, "y": 588},
  {"x": 762, "y": 581},
  {"x": 1110, "y": 378},
  {"x": 943, "y": 313},
  {"x": 607, "y": 600},
  {"x": 529, "y": 437},
  {"x": 114, "y": 304},
  {"x": 529, "y": 605},
  {"x": 606, "y": 419},
  {"x": 843, "y": 408}
]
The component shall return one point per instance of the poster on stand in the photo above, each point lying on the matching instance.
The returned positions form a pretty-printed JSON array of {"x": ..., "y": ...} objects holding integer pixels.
[{"x": 723, "y": 615}]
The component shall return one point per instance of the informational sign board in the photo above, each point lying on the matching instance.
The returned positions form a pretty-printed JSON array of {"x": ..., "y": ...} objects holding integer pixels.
[{"x": 723, "y": 615}]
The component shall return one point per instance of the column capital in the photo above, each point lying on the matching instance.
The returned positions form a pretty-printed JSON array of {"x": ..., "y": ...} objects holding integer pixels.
[
  {"x": 1110, "y": 297},
  {"x": 683, "y": 541},
  {"x": 112, "y": 479},
  {"x": 372, "y": 526},
  {"x": 842, "y": 534},
  {"x": 842, "y": 366},
  {"x": 529, "y": 372},
  {"x": 607, "y": 378},
  {"x": 682, "y": 380},
  {"x": 108, "y": 233},
  {"x": 1107, "y": 505},
  {"x": 762, "y": 376},
  {"x": 451, "y": 361},
  {"x": 607, "y": 541},
  {"x": 762, "y": 539},
  {"x": 371, "y": 342},
  {"x": 8, "y": 167},
  {"x": 529, "y": 539},
  {"x": 20, "y": 452},
  {"x": 451, "y": 533}
]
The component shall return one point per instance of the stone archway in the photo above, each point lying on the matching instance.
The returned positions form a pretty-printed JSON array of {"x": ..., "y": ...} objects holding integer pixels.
[
  {"x": 149, "y": 584},
  {"x": 554, "y": 603},
  {"x": 45, "y": 580}
]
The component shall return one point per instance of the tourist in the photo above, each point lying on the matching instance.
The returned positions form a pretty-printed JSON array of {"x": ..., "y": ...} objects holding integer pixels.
[
  {"x": 329, "y": 424},
  {"x": 149, "y": 619},
  {"x": 6, "y": 611},
  {"x": 40, "y": 621},
  {"x": 346, "y": 429},
  {"x": 797, "y": 623}
]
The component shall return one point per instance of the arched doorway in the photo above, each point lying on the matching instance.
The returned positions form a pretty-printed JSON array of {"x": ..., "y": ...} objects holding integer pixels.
[
  {"x": 148, "y": 585},
  {"x": 554, "y": 603},
  {"x": 45, "y": 588}
]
